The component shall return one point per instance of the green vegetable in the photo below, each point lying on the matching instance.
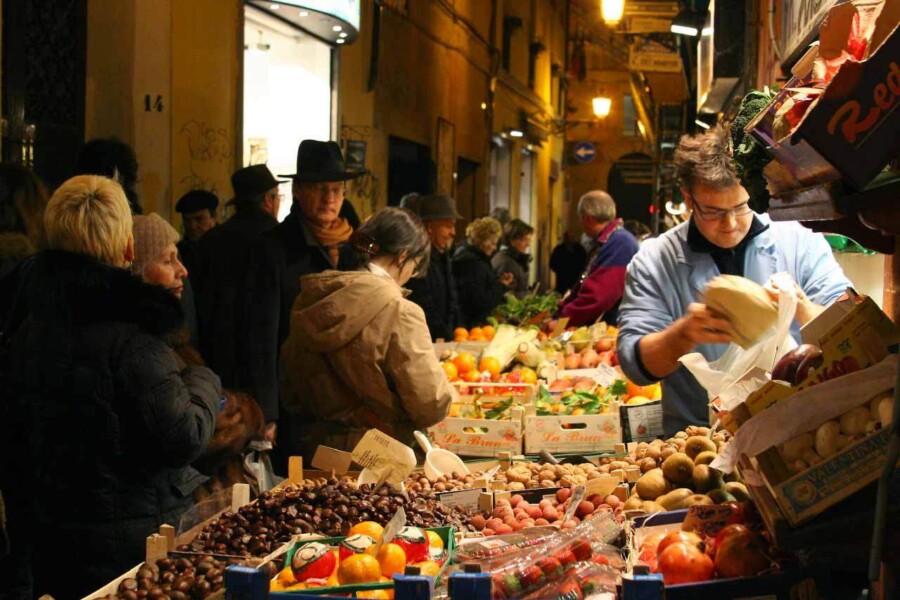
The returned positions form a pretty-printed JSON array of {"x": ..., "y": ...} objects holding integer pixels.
[
  {"x": 521, "y": 311},
  {"x": 750, "y": 157}
]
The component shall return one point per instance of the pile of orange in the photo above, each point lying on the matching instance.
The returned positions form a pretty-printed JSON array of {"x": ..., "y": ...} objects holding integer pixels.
[
  {"x": 476, "y": 334},
  {"x": 641, "y": 394},
  {"x": 365, "y": 567}
]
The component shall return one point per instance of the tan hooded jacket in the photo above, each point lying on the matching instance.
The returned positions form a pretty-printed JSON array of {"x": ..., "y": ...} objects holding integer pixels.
[{"x": 359, "y": 356}]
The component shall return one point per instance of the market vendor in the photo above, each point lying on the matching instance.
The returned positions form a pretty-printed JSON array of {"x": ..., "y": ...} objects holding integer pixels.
[
  {"x": 359, "y": 355},
  {"x": 104, "y": 423},
  {"x": 661, "y": 317}
]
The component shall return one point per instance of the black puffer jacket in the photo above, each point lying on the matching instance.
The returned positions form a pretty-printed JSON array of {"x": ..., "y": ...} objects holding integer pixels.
[
  {"x": 101, "y": 421},
  {"x": 479, "y": 289},
  {"x": 436, "y": 294}
]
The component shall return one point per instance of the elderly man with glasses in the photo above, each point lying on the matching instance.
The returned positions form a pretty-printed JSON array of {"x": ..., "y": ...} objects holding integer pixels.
[{"x": 662, "y": 316}]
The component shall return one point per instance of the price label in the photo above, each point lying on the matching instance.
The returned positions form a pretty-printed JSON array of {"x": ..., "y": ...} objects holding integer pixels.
[
  {"x": 393, "y": 527},
  {"x": 466, "y": 499},
  {"x": 389, "y": 460},
  {"x": 574, "y": 501},
  {"x": 706, "y": 520},
  {"x": 330, "y": 459}
]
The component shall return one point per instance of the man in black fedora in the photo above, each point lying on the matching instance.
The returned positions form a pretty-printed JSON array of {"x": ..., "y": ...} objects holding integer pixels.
[
  {"x": 224, "y": 255},
  {"x": 311, "y": 239},
  {"x": 436, "y": 292}
]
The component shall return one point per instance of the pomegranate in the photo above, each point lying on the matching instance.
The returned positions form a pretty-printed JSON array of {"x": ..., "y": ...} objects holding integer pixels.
[
  {"x": 685, "y": 563},
  {"x": 686, "y": 537},
  {"x": 741, "y": 554}
]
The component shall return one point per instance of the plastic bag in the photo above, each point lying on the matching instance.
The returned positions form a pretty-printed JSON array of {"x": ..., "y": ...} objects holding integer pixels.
[
  {"x": 722, "y": 378},
  {"x": 581, "y": 580},
  {"x": 258, "y": 467}
]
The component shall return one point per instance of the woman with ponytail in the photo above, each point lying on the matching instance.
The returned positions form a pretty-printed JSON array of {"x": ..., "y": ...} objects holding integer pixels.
[{"x": 359, "y": 354}]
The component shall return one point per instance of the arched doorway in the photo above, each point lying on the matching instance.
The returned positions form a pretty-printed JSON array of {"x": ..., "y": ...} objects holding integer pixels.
[{"x": 630, "y": 183}]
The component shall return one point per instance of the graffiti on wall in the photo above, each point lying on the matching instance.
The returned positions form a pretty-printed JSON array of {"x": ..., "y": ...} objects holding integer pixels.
[{"x": 209, "y": 156}]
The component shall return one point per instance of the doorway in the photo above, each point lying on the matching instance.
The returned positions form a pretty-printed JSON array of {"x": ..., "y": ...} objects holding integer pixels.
[
  {"x": 501, "y": 168},
  {"x": 526, "y": 185},
  {"x": 44, "y": 61},
  {"x": 466, "y": 198},
  {"x": 287, "y": 93},
  {"x": 410, "y": 169},
  {"x": 630, "y": 183}
]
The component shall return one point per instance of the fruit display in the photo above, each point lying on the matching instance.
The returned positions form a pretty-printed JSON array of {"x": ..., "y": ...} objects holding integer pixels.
[
  {"x": 362, "y": 558},
  {"x": 475, "y": 334},
  {"x": 592, "y": 356},
  {"x": 576, "y": 401},
  {"x": 528, "y": 310},
  {"x": 527, "y": 475},
  {"x": 327, "y": 507},
  {"x": 175, "y": 577},
  {"x": 681, "y": 556},
  {"x": 516, "y": 513}
]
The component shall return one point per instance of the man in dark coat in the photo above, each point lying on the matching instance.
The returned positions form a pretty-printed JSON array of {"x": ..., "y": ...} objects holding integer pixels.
[
  {"x": 100, "y": 419},
  {"x": 198, "y": 214},
  {"x": 312, "y": 239},
  {"x": 223, "y": 266},
  {"x": 436, "y": 292}
]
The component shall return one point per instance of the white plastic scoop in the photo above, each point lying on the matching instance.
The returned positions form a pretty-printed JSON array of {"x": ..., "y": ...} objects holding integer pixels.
[{"x": 439, "y": 462}]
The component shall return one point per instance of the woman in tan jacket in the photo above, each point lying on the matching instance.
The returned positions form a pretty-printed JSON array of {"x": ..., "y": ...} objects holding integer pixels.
[{"x": 359, "y": 354}]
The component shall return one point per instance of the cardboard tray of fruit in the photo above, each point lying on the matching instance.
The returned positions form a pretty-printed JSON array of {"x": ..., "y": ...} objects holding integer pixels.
[
  {"x": 345, "y": 566},
  {"x": 705, "y": 552}
]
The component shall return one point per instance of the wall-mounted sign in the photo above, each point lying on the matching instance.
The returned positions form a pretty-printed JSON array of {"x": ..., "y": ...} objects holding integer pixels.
[
  {"x": 649, "y": 17},
  {"x": 356, "y": 155},
  {"x": 584, "y": 152},
  {"x": 799, "y": 21},
  {"x": 652, "y": 56}
]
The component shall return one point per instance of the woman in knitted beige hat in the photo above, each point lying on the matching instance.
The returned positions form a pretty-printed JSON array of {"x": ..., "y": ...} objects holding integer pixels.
[{"x": 156, "y": 255}]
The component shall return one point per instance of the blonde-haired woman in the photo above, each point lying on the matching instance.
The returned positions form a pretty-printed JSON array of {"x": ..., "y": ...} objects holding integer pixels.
[
  {"x": 102, "y": 418},
  {"x": 480, "y": 289}
]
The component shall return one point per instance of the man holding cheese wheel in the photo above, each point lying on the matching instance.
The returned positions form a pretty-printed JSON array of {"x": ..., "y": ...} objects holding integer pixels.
[{"x": 662, "y": 316}]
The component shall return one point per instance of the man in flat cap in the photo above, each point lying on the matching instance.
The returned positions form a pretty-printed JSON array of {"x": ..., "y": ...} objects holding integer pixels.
[
  {"x": 224, "y": 256},
  {"x": 311, "y": 239},
  {"x": 198, "y": 215}
]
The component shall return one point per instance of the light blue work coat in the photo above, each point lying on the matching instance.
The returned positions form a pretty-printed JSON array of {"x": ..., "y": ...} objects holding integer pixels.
[{"x": 666, "y": 276}]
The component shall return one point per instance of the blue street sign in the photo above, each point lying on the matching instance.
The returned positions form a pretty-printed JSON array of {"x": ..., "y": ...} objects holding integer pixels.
[{"x": 585, "y": 152}]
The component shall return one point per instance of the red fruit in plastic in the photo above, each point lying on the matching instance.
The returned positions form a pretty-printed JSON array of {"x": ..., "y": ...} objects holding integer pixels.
[
  {"x": 581, "y": 549},
  {"x": 685, "y": 563},
  {"x": 354, "y": 544},
  {"x": 532, "y": 577},
  {"x": 742, "y": 554},
  {"x": 566, "y": 557},
  {"x": 570, "y": 590},
  {"x": 549, "y": 565},
  {"x": 313, "y": 561},
  {"x": 414, "y": 543},
  {"x": 685, "y": 537}
]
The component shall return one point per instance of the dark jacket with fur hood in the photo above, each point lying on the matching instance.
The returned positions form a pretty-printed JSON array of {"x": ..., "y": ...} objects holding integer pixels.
[{"x": 105, "y": 422}]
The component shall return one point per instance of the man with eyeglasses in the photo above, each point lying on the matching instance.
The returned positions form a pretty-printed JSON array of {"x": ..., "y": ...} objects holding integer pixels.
[
  {"x": 311, "y": 239},
  {"x": 662, "y": 318}
]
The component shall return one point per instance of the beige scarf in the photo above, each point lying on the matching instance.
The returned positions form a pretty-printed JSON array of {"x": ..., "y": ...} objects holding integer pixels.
[{"x": 331, "y": 238}]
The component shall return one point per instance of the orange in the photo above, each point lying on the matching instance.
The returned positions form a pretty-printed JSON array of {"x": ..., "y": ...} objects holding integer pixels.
[
  {"x": 528, "y": 375},
  {"x": 392, "y": 559},
  {"x": 648, "y": 391},
  {"x": 369, "y": 528},
  {"x": 359, "y": 568},
  {"x": 464, "y": 362},
  {"x": 491, "y": 365},
  {"x": 332, "y": 580},
  {"x": 434, "y": 540},
  {"x": 451, "y": 371},
  {"x": 429, "y": 568},
  {"x": 460, "y": 334},
  {"x": 455, "y": 410},
  {"x": 489, "y": 332},
  {"x": 472, "y": 376},
  {"x": 476, "y": 332},
  {"x": 637, "y": 400},
  {"x": 286, "y": 577}
]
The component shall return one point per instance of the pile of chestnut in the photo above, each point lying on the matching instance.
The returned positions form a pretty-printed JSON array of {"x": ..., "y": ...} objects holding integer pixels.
[
  {"x": 328, "y": 507},
  {"x": 184, "y": 578}
]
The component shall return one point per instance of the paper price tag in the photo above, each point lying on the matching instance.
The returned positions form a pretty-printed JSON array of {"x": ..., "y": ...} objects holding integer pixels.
[
  {"x": 467, "y": 499},
  {"x": 393, "y": 527},
  {"x": 706, "y": 520},
  {"x": 601, "y": 486},
  {"x": 606, "y": 375},
  {"x": 390, "y": 460},
  {"x": 330, "y": 459}
]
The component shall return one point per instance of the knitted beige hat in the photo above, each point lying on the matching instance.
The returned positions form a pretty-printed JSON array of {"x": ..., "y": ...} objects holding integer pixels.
[{"x": 152, "y": 235}]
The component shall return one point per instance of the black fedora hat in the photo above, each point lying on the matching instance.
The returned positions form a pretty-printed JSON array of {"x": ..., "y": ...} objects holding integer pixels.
[
  {"x": 321, "y": 161},
  {"x": 253, "y": 180},
  {"x": 437, "y": 207}
]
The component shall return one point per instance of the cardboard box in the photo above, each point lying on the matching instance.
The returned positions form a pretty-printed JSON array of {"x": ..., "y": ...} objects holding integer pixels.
[
  {"x": 480, "y": 437},
  {"x": 851, "y": 131},
  {"x": 572, "y": 434},
  {"x": 642, "y": 422},
  {"x": 492, "y": 393}
]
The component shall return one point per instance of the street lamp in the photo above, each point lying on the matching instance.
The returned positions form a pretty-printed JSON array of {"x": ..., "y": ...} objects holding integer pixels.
[
  {"x": 612, "y": 11},
  {"x": 601, "y": 106}
]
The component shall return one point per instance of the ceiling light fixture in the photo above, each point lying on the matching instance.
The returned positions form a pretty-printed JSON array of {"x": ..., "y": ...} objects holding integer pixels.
[
  {"x": 303, "y": 14},
  {"x": 340, "y": 40},
  {"x": 612, "y": 11},
  {"x": 601, "y": 106},
  {"x": 336, "y": 28},
  {"x": 515, "y": 133},
  {"x": 484, "y": 106},
  {"x": 343, "y": 34},
  {"x": 274, "y": 6}
]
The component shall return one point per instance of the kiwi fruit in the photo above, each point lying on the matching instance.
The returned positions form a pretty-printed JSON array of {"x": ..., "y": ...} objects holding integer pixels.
[
  {"x": 705, "y": 458},
  {"x": 697, "y": 500},
  {"x": 706, "y": 479},
  {"x": 678, "y": 468},
  {"x": 719, "y": 496},
  {"x": 697, "y": 444},
  {"x": 738, "y": 490},
  {"x": 651, "y": 485},
  {"x": 674, "y": 499},
  {"x": 651, "y": 507},
  {"x": 633, "y": 503}
]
